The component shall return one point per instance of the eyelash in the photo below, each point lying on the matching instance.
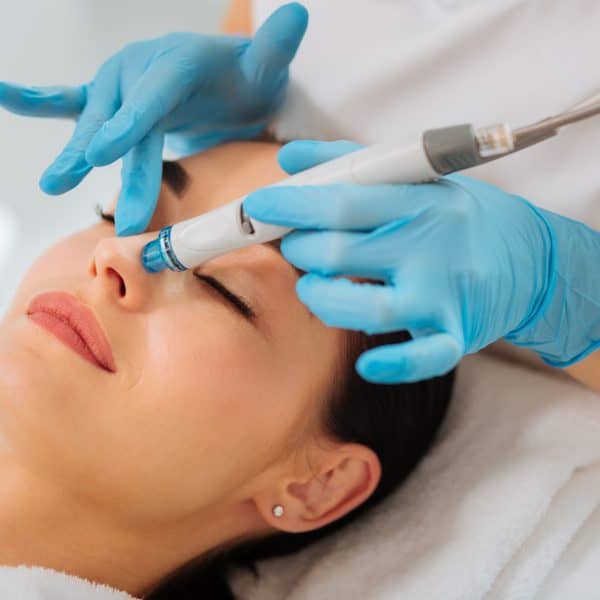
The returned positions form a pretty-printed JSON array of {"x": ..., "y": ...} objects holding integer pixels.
[
  {"x": 104, "y": 216},
  {"x": 237, "y": 302}
]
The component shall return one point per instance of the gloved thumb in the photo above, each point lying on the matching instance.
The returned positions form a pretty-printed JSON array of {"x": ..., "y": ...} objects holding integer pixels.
[
  {"x": 276, "y": 42},
  {"x": 303, "y": 154}
]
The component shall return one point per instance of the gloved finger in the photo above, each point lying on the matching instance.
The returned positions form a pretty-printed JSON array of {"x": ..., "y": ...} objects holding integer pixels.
[
  {"x": 141, "y": 178},
  {"x": 415, "y": 360},
  {"x": 186, "y": 145},
  {"x": 275, "y": 43},
  {"x": 51, "y": 101},
  {"x": 303, "y": 154},
  {"x": 152, "y": 97},
  {"x": 362, "y": 306},
  {"x": 70, "y": 167},
  {"x": 339, "y": 206},
  {"x": 332, "y": 253}
]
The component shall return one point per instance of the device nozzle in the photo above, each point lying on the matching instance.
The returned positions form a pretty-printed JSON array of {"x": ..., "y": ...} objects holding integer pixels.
[
  {"x": 159, "y": 254},
  {"x": 152, "y": 257}
]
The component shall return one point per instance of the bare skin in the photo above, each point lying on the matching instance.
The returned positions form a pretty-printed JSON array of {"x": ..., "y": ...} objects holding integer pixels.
[{"x": 211, "y": 419}]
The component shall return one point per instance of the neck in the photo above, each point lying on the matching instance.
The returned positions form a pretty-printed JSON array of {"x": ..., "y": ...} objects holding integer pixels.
[{"x": 42, "y": 525}]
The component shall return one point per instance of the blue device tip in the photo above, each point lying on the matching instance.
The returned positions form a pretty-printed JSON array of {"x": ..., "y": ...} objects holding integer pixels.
[{"x": 152, "y": 257}]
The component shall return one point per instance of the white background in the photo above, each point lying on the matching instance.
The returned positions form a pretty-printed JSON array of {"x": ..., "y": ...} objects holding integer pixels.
[{"x": 64, "y": 42}]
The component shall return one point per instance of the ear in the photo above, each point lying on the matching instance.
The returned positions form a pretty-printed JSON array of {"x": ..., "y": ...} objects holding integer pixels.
[{"x": 333, "y": 483}]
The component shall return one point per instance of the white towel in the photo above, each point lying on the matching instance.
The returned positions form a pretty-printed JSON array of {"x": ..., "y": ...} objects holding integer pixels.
[
  {"x": 38, "y": 583},
  {"x": 508, "y": 497},
  {"x": 490, "y": 513}
]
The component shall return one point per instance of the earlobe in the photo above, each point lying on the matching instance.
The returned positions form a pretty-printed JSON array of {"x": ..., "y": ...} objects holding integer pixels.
[{"x": 346, "y": 477}]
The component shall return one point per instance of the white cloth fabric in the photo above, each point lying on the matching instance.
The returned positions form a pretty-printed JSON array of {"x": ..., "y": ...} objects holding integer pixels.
[
  {"x": 37, "y": 583},
  {"x": 508, "y": 504},
  {"x": 378, "y": 70},
  {"x": 505, "y": 506}
]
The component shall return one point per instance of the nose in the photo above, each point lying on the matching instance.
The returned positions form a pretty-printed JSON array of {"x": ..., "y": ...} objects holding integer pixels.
[{"x": 118, "y": 272}]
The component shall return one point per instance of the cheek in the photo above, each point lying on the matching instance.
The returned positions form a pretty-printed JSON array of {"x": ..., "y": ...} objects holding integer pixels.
[
  {"x": 203, "y": 401},
  {"x": 211, "y": 372},
  {"x": 217, "y": 405},
  {"x": 61, "y": 266}
]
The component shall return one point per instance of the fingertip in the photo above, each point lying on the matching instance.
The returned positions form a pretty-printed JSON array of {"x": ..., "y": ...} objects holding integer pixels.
[
  {"x": 303, "y": 154},
  {"x": 49, "y": 101},
  {"x": 129, "y": 222},
  {"x": 298, "y": 16},
  {"x": 305, "y": 285},
  {"x": 141, "y": 180},
  {"x": 289, "y": 247},
  {"x": 65, "y": 173},
  {"x": 265, "y": 204},
  {"x": 393, "y": 363},
  {"x": 134, "y": 211},
  {"x": 277, "y": 40},
  {"x": 255, "y": 204},
  {"x": 411, "y": 361},
  {"x": 379, "y": 372},
  {"x": 50, "y": 185},
  {"x": 293, "y": 157},
  {"x": 125, "y": 229},
  {"x": 292, "y": 21},
  {"x": 55, "y": 184}
]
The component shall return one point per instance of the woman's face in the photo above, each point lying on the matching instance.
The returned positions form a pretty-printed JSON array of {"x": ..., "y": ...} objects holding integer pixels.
[{"x": 204, "y": 398}]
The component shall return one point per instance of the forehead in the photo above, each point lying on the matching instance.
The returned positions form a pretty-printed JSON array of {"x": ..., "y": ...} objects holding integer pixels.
[
  {"x": 215, "y": 177},
  {"x": 205, "y": 181},
  {"x": 222, "y": 174}
]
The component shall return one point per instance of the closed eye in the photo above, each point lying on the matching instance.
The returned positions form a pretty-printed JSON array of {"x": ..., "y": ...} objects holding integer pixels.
[
  {"x": 104, "y": 216},
  {"x": 236, "y": 301}
]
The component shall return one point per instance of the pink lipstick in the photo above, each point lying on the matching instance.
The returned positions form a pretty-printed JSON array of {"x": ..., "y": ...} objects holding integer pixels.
[{"x": 74, "y": 324}]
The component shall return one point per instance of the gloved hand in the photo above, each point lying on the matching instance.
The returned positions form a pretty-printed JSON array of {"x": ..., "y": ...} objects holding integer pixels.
[
  {"x": 198, "y": 89},
  {"x": 463, "y": 264}
]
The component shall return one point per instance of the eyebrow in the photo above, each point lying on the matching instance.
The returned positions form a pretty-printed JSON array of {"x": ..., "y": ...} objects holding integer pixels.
[
  {"x": 178, "y": 179},
  {"x": 175, "y": 177}
]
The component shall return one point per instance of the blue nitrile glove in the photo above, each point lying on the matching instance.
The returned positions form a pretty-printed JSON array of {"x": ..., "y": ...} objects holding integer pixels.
[
  {"x": 198, "y": 89},
  {"x": 463, "y": 264}
]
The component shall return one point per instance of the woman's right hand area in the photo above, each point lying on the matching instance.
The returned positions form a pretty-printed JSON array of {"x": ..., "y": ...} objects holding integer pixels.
[{"x": 198, "y": 90}]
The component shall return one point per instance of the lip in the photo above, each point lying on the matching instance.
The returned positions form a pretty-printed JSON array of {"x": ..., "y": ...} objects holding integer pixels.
[{"x": 74, "y": 324}]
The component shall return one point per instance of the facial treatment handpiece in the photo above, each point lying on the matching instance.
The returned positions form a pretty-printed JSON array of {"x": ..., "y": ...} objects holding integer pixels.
[{"x": 435, "y": 153}]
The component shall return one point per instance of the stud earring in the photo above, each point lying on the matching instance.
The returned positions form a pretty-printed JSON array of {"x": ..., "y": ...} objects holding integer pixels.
[{"x": 277, "y": 510}]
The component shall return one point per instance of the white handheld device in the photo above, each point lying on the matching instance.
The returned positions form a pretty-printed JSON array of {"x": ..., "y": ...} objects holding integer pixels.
[{"x": 426, "y": 157}]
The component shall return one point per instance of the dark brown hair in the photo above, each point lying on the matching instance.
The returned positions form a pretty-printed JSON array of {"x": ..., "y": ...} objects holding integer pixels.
[{"x": 398, "y": 422}]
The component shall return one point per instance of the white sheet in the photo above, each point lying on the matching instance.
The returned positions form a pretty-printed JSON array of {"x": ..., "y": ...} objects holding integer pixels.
[
  {"x": 505, "y": 506},
  {"x": 37, "y": 583},
  {"x": 499, "y": 509}
]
